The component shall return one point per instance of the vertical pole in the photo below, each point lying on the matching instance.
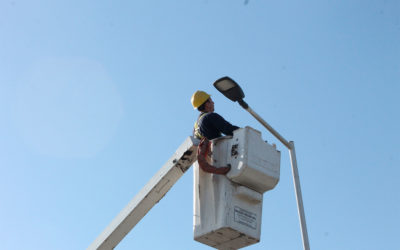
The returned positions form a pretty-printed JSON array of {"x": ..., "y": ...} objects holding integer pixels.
[
  {"x": 295, "y": 172},
  {"x": 299, "y": 197}
]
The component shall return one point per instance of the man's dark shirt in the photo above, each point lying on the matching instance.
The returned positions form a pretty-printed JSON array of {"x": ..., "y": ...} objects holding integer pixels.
[{"x": 212, "y": 125}]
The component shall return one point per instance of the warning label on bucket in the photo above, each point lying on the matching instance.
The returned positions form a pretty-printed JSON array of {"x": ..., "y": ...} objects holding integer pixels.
[{"x": 245, "y": 217}]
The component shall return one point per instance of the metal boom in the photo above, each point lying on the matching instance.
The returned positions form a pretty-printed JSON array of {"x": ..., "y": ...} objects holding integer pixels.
[{"x": 150, "y": 194}]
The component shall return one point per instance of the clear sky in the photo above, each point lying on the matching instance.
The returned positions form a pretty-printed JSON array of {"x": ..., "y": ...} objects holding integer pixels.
[{"x": 95, "y": 98}]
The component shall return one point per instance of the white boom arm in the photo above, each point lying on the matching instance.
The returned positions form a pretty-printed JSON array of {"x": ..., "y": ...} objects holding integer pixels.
[{"x": 151, "y": 194}]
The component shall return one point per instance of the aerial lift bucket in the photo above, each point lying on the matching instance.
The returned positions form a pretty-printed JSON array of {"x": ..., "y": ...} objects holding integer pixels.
[{"x": 228, "y": 208}]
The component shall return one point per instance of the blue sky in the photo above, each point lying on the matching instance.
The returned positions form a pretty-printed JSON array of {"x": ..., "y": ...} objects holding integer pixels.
[{"x": 95, "y": 98}]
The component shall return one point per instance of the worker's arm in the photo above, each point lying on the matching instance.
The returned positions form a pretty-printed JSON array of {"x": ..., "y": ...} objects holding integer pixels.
[{"x": 202, "y": 152}]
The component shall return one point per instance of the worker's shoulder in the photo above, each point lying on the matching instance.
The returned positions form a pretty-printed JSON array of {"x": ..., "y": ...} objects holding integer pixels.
[{"x": 211, "y": 117}]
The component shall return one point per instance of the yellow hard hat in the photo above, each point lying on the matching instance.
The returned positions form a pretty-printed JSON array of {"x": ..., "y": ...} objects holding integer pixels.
[{"x": 198, "y": 98}]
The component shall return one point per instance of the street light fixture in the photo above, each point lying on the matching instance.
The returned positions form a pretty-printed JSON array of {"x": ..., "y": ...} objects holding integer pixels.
[{"x": 229, "y": 88}]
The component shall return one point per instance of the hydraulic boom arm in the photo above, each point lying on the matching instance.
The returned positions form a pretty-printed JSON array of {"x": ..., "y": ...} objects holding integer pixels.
[{"x": 151, "y": 193}]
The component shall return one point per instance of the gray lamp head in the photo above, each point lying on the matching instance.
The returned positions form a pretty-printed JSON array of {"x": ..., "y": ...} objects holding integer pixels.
[{"x": 229, "y": 88}]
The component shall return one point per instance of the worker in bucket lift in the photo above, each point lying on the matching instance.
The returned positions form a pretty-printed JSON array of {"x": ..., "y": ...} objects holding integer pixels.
[{"x": 208, "y": 126}]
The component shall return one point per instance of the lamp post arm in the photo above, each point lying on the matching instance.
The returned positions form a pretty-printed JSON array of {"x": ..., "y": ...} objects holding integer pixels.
[{"x": 266, "y": 125}]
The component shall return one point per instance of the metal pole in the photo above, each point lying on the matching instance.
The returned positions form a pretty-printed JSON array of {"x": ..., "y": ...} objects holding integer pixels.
[
  {"x": 267, "y": 126},
  {"x": 296, "y": 179},
  {"x": 299, "y": 197}
]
